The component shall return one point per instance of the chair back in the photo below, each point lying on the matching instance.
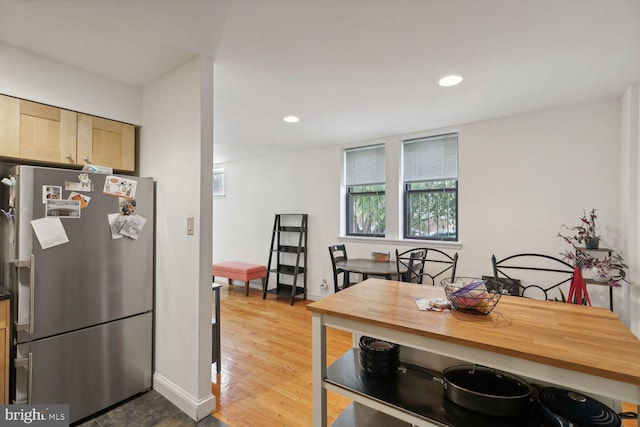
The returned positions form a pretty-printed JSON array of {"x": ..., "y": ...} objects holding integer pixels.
[
  {"x": 339, "y": 253},
  {"x": 410, "y": 265},
  {"x": 436, "y": 263},
  {"x": 439, "y": 263},
  {"x": 543, "y": 273}
]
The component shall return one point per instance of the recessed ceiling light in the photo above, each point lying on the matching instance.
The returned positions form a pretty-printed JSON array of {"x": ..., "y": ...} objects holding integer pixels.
[
  {"x": 291, "y": 119},
  {"x": 451, "y": 80}
]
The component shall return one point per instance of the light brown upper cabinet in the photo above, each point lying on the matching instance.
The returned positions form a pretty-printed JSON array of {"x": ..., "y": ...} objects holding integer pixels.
[
  {"x": 106, "y": 143},
  {"x": 37, "y": 132}
]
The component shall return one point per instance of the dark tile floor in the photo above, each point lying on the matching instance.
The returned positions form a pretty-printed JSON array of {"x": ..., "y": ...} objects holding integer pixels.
[{"x": 148, "y": 409}]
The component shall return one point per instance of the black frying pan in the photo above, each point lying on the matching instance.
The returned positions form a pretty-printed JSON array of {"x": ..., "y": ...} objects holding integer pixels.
[{"x": 487, "y": 390}]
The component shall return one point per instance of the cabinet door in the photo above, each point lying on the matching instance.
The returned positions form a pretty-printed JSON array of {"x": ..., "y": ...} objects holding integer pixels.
[
  {"x": 33, "y": 131},
  {"x": 106, "y": 143},
  {"x": 9, "y": 126}
]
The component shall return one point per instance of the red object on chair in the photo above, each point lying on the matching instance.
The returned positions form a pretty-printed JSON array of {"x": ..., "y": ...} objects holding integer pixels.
[
  {"x": 234, "y": 270},
  {"x": 578, "y": 288}
]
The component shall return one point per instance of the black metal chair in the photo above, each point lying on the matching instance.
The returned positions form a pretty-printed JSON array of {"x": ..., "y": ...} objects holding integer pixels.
[
  {"x": 421, "y": 262},
  {"x": 544, "y": 273},
  {"x": 410, "y": 265},
  {"x": 339, "y": 253}
]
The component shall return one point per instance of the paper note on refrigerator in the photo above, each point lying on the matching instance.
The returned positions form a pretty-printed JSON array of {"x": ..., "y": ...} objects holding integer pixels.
[
  {"x": 119, "y": 186},
  {"x": 133, "y": 226},
  {"x": 49, "y": 232},
  {"x": 116, "y": 221},
  {"x": 125, "y": 225}
]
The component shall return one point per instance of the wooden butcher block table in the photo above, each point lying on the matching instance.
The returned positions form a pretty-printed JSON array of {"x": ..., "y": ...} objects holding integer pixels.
[{"x": 571, "y": 346}]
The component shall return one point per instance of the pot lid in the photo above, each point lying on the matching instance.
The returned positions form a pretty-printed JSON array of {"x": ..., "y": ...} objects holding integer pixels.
[{"x": 578, "y": 408}]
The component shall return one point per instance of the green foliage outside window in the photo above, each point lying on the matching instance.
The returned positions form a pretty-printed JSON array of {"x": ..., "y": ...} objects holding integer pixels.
[
  {"x": 366, "y": 210},
  {"x": 432, "y": 210}
]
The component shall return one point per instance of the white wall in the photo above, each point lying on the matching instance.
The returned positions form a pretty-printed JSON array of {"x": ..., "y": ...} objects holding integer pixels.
[
  {"x": 521, "y": 178},
  {"x": 630, "y": 179},
  {"x": 35, "y": 78},
  {"x": 176, "y": 148},
  {"x": 259, "y": 188}
]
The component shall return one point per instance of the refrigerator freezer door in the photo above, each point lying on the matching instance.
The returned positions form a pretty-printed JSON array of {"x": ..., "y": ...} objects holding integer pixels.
[
  {"x": 91, "y": 279},
  {"x": 90, "y": 369}
]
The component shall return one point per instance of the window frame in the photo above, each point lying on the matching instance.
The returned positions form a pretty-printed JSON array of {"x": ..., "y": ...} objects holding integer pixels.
[
  {"x": 407, "y": 193},
  {"x": 450, "y": 172},
  {"x": 370, "y": 174},
  {"x": 350, "y": 196}
]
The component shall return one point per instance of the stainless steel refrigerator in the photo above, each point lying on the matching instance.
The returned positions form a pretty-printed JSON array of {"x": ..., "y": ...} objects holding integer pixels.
[{"x": 82, "y": 309}]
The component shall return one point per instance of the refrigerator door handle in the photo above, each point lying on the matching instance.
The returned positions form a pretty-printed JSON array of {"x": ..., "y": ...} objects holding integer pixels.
[
  {"x": 26, "y": 363},
  {"x": 32, "y": 302},
  {"x": 32, "y": 278}
]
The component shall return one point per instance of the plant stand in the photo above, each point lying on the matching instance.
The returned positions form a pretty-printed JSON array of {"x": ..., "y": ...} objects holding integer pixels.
[{"x": 609, "y": 252}]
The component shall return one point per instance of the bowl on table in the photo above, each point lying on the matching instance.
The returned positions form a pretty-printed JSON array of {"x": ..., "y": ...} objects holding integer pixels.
[{"x": 471, "y": 294}]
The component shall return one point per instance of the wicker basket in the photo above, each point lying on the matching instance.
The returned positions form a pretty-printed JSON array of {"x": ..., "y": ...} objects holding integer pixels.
[{"x": 471, "y": 294}]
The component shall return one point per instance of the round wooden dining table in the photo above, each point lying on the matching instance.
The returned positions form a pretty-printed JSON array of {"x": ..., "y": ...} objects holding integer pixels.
[{"x": 369, "y": 267}]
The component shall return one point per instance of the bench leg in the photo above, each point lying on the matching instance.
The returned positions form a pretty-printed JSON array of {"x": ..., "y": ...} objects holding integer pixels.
[{"x": 246, "y": 287}]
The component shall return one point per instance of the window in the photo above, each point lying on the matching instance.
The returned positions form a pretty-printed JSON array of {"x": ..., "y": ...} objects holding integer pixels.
[
  {"x": 218, "y": 182},
  {"x": 430, "y": 178},
  {"x": 364, "y": 181}
]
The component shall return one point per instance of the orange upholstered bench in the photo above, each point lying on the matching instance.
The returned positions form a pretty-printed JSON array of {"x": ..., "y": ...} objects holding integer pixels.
[{"x": 233, "y": 270}]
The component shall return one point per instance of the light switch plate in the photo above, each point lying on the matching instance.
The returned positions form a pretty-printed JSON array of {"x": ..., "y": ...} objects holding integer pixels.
[{"x": 190, "y": 225}]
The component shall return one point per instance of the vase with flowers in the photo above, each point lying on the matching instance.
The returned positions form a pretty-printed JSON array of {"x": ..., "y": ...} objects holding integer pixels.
[
  {"x": 585, "y": 232},
  {"x": 610, "y": 268}
]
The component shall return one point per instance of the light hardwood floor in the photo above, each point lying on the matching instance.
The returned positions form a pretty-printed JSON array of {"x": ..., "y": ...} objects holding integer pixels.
[{"x": 266, "y": 361}]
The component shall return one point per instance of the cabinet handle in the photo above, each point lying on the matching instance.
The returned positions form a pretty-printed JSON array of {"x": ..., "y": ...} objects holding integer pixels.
[
  {"x": 32, "y": 297},
  {"x": 30, "y": 378},
  {"x": 69, "y": 157},
  {"x": 86, "y": 159}
]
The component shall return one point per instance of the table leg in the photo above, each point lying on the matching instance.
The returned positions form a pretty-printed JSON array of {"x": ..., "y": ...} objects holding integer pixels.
[{"x": 319, "y": 363}]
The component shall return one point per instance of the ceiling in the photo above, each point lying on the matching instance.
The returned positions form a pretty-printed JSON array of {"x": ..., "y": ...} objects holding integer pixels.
[{"x": 352, "y": 70}]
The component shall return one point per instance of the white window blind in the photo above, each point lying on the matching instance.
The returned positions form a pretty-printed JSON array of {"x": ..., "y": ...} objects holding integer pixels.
[
  {"x": 432, "y": 158},
  {"x": 364, "y": 166}
]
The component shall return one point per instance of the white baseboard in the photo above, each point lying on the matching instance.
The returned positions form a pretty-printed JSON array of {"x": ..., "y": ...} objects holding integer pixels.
[
  {"x": 314, "y": 297},
  {"x": 195, "y": 408}
]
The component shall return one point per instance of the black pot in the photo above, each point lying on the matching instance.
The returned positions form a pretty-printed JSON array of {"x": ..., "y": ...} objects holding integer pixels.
[
  {"x": 487, "y": 391},
  {"x": 566, "y": 408}
]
